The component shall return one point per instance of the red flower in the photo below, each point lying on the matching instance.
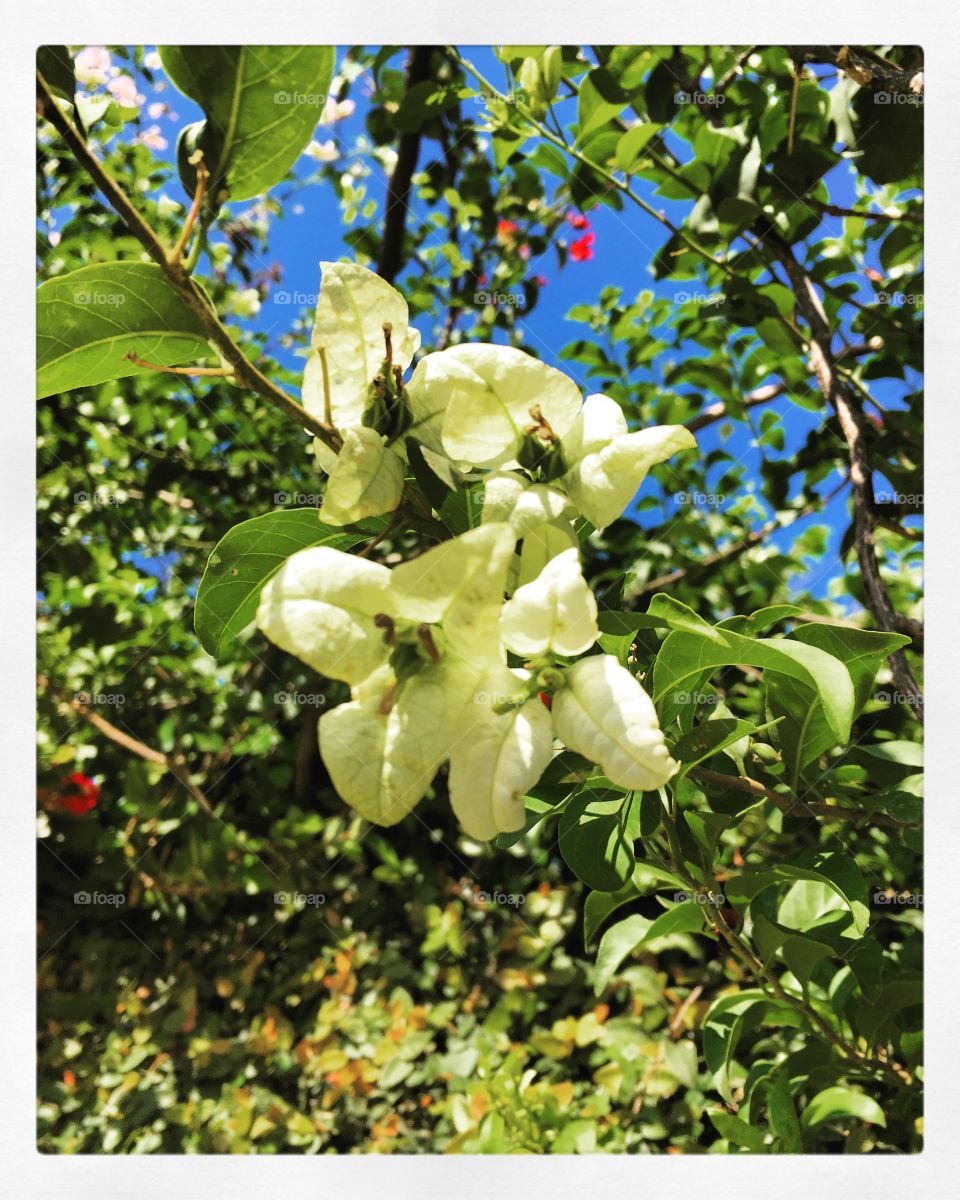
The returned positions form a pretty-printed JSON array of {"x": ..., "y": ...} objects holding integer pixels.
[
  {"x": 539, "y": 280},
  {"x": 546, "y": 699},
  {"x": 78, "y": 793},
  {"x": 578, "y": 220},
  {"x": 506, "y": 230},
  {"x": 582, "y": 249}
]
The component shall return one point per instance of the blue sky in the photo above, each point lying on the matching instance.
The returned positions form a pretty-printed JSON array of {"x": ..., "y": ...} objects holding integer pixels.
[{"x": 312, "y": 229}]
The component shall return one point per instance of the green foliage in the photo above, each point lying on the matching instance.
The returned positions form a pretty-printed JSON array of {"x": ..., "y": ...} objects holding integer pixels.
[{"x": 731, "y": 966}]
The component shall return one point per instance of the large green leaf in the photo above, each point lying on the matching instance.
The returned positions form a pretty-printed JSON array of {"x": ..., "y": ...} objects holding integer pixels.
[
  {"x": 633, "y": 932},
  {"x": 729, "y": 1018},
  {"x": 834, "y": 1103},
  {"x": 597, "y": 832},
  {"x": 262, "y": 104},
  {"x": 686, "y": 655},
  {"x": 835, "y": 869},
  {"x": 243, "y": 561},
  {"x": 88, "y": 320},
  {"x": 806, "y": 734}
]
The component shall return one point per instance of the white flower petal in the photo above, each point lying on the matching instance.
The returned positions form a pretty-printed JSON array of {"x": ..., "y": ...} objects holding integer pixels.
[
  {"x": 509, "y": 496},
  {"x": 501, "y": 757},
  {"x": 602, "y": 483},
  {"x": 382, "y": 753},
  {"x": 597, "y": 424},
  {"x": 604, "y": 714},
  {"x": 353, "y": 305},
  {"x": 460, "y": 584},
  {"x": 486, "y": 393},
  {"x": 542, "y": 544},
  {"x": 556, "y": 612},
  {"x": 366, "y": 479},
  {"x": 321, "y": 606}
]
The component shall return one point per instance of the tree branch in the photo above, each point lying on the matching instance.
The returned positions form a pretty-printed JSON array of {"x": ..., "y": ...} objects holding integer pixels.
[
  {"x": 245, "y": 373},
  {"x": 823, "y": 362},
  {"x": 172, "y": 763},
  {"x": 408, "y": 151},
  {"x": 864, "y": 66}
]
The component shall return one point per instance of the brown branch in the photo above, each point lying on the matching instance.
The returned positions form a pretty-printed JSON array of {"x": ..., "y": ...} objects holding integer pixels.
[
  {"x": 823, "y": 362},
  {"x": 864, "y": 66},
  {"x": 246, "y": 374},
  {"x": 175, "y": 764},
  {"x": 836, "y": 210},
  {"x": 408, "y": 151},
  {"x": 787, "y": 804}
]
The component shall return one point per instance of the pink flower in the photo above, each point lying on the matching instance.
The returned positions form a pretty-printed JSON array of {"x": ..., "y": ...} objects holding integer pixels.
[
  {"x": 155, "y": 110},
  {"x": 578, "y": 220},
  {"x": 539, "y": 280},
  {"x": 124, "y": 91},
  {"x": 152, "y": 138},
  {"x": 582, "y": 249},
  {"x": 91, "y": 65}
]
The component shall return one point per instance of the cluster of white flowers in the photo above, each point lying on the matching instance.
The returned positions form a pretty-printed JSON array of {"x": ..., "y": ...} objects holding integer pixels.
[{"x": 426, "y": 646}]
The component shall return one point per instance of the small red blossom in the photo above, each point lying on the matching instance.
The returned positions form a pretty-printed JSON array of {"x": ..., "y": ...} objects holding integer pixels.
[
  {"x": 482, "y": 278},
  {"x": 546, "y": 699},
  {"x": 506, "y": 230},
  {"x": 578, "y": 220},
  {"x": 539, "y": 280},
  {"x": 78, "y": 793},
  {"x": 582, "y": 249},
  {"x": 873, "y": 275}
]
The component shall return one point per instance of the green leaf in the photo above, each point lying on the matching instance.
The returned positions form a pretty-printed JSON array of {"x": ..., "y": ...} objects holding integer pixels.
[
  {"x": 633, "y": 932},
  {"x": 836, "y": 869},
  {"x": 739, "y": 1132},
  {"x": 632, "y": 143},
  {"x": 710, "y": 738},
  {"x": 242, "y": 562},
  {"x": 56, "y": 66},
  {"x": 597, "y": 836},
  {"x": 645, "y": 879},
  {"x": 729, "y": 1018},
  {"x": 807, "y": 733},
  {"x": 262, "y": 104},
  {"x": 782, "y": 1113},
  {"x": 89, "y": 319},
  {"x": 837, "y": 1102},
  {"x": 685, "y": 656},
  {"x": 600, "y": 99}
]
